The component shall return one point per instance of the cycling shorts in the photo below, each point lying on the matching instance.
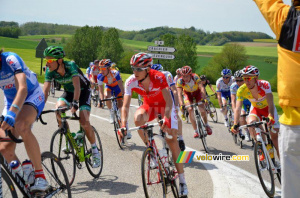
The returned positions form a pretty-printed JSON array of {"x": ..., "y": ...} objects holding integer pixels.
[
  {"x": 226, "y": 95},
  {"x": 190, "y": 96},
  {"x": 258, "y": 113},
  {"x": 246, "y": 106},
  {"x": 84, "y": 99},
  {"x": 116, "y": 91},
  {"x": 36, "y": 99},
  {"x": 154, "y": 109}
]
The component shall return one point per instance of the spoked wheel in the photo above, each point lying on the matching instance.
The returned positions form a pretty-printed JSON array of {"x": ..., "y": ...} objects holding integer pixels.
[
  {"x": 230, "y": 121},
  {"x": 8, "y": 188},
  {"x": 171, "y": 182},
  {"x": 278, "y": 170},
  {"x": 61, "y": 147},
  {"x": 95, "y": 172},
  {"x": 202, "y": 133},
  {"x": 95, "y": 100},
  {"x": 56, "y": 176},
  {"x": 153, "y": 180},
  {"x": 264, "y": 171},
  {"x": 234, "y": 136},
  {"x": 213, "y": 112},
  {"x": 117, "y": 125}
]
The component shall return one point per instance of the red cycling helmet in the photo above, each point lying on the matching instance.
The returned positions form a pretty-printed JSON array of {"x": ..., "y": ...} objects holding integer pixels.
[
  {"x": 141, "y": 59},
  {"x": 185, "y": 70}
]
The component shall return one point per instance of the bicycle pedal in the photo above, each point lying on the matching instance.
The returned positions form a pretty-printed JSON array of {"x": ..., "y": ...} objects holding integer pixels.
[
  {"x": 39, "y": 194},
  {"x": 79, "y": 166}
]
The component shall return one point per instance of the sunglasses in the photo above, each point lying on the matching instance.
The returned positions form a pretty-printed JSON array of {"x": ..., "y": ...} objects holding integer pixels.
[
  {"x": 50, "y": 60},
  {"x": 226, "y": 77},
  {"x": 138, "y": 69},
  {"x": 248, "y": 78},
  {"x": 239, "y": 80},
  {"x": 102, "y": 68}
]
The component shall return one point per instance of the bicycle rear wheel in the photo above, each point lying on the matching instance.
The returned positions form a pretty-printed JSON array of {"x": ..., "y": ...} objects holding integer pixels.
[
  {"x": 56, "y": 176},
  {"x": 153, "y": 179},
  {"x": 61, "y": 146},
  {"x": 213, "y": 112},
  {"x": 8, "y": 188},
  {"x": 264, "y": 171},
  {"x": 202, "y": 133},
  {"x": 95, "y": 172},
  {"x": 117, "y": 125}
]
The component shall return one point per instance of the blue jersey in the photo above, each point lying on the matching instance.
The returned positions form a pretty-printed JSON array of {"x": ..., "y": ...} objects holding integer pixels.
[
  {"x": 88, "y": 70},
  {"x": 13, "y": 64}
]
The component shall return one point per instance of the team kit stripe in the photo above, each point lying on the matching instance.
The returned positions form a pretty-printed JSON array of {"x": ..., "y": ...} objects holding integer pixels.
[{"x": 186, "y": 157}]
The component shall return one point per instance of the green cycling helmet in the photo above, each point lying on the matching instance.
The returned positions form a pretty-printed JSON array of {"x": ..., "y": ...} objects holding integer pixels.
[{"x": 54, "y": 51}]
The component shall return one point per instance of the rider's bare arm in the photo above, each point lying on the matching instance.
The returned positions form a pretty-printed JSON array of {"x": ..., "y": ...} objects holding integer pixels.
[
  {"x": 270, "y": 101},
  {"x": 101, "y": 92},
  {"x": 76, "y": 84},
  {"x": 219, "y": 99},
  {"x": 21, "y": 86},
  {"x": 120, "y": 83},
  {"x": 233, "y": 101},
  {"x": 202, "y": 89},
  {"x": 46, "y": 89},
  {"x": 169, "y": 103},
  {"x": 237, "y": 112},
  {"x": 125, "y": 109},
  {"x": 179, "y": 90},
  {"x": 174, "y": 90}
]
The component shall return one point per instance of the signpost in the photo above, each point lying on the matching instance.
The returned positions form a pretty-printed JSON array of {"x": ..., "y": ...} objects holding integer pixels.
[
  {"x": 39, "y": 53},
  {"x": 159, "y": 49},
  {"x": 159, "y": 42},
  {"x": 163, "y": 56}
]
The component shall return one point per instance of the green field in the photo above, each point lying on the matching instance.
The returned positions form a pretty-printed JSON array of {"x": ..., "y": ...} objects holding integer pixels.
[{"x": 265, "y": 40}]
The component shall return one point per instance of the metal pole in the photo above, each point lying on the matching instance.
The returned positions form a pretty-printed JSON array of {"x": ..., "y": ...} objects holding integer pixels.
[{"x": 41, "y": 66}]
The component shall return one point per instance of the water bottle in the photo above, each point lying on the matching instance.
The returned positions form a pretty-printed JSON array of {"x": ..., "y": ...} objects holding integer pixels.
[
  {"x": 271, "y": 150},
  {"x": 78, "y": 137},
  {"x": 164, "y": 157},
  {"x": 29, "y": 175},
  {"x": 17, "y": 168}
]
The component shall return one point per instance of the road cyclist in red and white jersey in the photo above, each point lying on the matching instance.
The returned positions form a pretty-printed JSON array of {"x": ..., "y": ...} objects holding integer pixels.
[
  {"x": 153, "y": 87},
  {"x": 173, "y": 91},
  {"x": 190, "y": 85},
  {"x": 259, "y": 93},
  {"x": 95, "y": 70}
]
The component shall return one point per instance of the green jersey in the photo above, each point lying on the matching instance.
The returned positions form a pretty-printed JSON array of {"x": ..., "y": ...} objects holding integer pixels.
[{"x": 72, "y": 70}]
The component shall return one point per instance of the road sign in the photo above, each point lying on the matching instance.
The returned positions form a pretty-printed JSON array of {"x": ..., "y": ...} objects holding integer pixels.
[
  {"x": 159, "y": 42},
  {"x": 163, "y": 56},
  {"x": 39, "y": 53},
  {"x": 161, "y": 49}
]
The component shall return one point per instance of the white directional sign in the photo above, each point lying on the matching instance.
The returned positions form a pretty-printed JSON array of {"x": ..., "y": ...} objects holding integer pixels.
[
  {"x": 159, "y": 42},
  {"x": 163, "y": 56},
  {"x": 161, "y": 49}
]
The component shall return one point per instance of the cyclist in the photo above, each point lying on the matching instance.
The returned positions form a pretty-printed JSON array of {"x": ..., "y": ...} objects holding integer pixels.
[
  {"x": 23, "y": 102},
  {"x": 76, "y": 92},
  {"x": 88, "y": 71},
  {"x": 95, "y": 70},
  {"x": 190, "y": 86},
  {"x": 206, "y": 82},
  {"x": 178, "y": 75},
  {"x": 114, "y": 66},
  {"x": 114, "y": 86},
  {"x": 173, "y": 91},
  {"x": 153, "y": 86},
  {"x": 223, "y": 91},
  {"x": 246, "y": 103},
  {"x": 259, "y": 93}
]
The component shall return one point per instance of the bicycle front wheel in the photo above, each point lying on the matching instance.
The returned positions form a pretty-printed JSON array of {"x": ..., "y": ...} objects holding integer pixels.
[
  {"x": 153, "y": 180},
  {"x": 202, "y": 133},
  {"x": 8, "y": 188},
  {"x": 264, "y": 171},
  {"x": 95, "y": 172},
  {"x": 117, "y": 125},
  {"x": 61, "y": 146},
  {"x": 213, "y": 112}
]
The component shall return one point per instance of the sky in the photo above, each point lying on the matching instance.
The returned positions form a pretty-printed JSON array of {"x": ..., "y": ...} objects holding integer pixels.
[{"x": 208, "y": 15}]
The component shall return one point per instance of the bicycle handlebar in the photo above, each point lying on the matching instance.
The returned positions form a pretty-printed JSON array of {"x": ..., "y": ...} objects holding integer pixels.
[
  {"x": 9, "y": 134},
  {"x": 61, "y": 110},
  {"x": 111, "y": 98},
  {"x": 255, "y": 124}
]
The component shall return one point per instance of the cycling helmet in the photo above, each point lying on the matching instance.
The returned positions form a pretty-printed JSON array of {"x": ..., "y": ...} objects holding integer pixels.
[
  {"x": 202, "y": 77},
  {"x": 105, "y": 63},
  {"x": 91, "y": 63},
  {"x": 113, "y": 64},
  {"x": 141, "y": 59},
  {"x": 185, "y": 70},
  {"x": 250, "y": 70},
  {"x": 157, "y": 67},
  {"x": 178, "y": 71},
  {"x": 54, "y": 51},
  {"x": 226, "y": 72},
  {"x": 238, "y": 74}
]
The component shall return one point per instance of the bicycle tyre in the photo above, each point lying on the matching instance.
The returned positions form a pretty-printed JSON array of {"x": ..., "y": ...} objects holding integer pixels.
[
  {"x": 200, "y": 126},
  {"x": 234, "y": 136},
  {"x": 174, "y": 188},
  {"x": 68, "y": 157},
  {"x": 57, "y": 179},
  {"x": 270, "y": 192},
  {"x": 145, "y": 166},
  {"x": 8, "y": 188},
  {"x": 117, "y": 125},
  {"x": 212, "y": 111},
  {"x": 88, "y": 152},
  {"x": 278, "y": 170}
]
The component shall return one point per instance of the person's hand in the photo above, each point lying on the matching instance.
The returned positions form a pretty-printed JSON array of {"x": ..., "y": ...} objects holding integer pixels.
[
  {"x": 182, "y": 107},
  {"x": 9, "y": 121},
  {"x": 235, "y": 128},
  {"x": 100, "y": 104},
  {"x": 271, "y": 120},
  {"x": 166, "y": 126},
  {"x": 122, "y": 132},
  {"x": 75, "y": 106}
]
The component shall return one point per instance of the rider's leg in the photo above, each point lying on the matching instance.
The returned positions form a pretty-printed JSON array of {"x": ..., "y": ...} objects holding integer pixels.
[
  {"x": 62, "y": 102},
  {"x": 252, "y": 118},
  {"x": 7, "y": 149},
  {"x": 86, "y": 125},
  {"x": 140, "y": 118}
]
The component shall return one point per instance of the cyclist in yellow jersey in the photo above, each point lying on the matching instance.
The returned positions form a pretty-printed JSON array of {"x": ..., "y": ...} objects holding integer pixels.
[{"x": 259, "y": 93}]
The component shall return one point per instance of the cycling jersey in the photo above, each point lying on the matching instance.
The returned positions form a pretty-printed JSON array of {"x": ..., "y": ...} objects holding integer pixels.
[
  {"x": 95, "y": 69},
  {"x": 222, "y": 87},
  {"x": 111, "y": 82},
  {"x": 264, "y": 88},
  {"x": 176, "y": 79},
  {"x": 71, "y": 70},
  {"x": 88, "y": 71},
  {"x": 169, "y": 78},
  {"x": 246, "y": 103},
  {"x": 190, "y": 86}
]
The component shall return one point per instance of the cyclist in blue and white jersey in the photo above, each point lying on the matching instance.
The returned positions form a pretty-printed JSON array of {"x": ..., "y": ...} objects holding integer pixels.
[
  {"x": 88, "y": 70},
  {"x": 223, "y": 91},
  {"x": 174, "y": 95},
  {"x": 23, "y": 102},
  {"x": 246, "y": 103}
]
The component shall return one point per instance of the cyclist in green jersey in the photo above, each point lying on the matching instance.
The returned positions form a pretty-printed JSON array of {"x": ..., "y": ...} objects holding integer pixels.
[{"x": 77, "y": 91}]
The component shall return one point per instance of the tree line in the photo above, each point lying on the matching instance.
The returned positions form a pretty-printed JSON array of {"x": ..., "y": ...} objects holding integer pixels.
[{"x": 10, "y": 29}]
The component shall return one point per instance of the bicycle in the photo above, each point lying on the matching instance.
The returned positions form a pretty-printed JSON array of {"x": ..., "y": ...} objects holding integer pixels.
[
  {"x": 229, "y": 115},
  {"x": 211, "y": 109},
  {"x": 95, "y": 97},
  {"x": 52, "y": 88},
  {"x": 238, "y": 139},
  {"x": 57, "y": 178},
  {"x": 64, "y": 145},
  {"x": 201, "y": 130},
  {"x": 161, "y": 175},
  {"x": 117, "y": 120},
  {"x": 265, "y": 149}
]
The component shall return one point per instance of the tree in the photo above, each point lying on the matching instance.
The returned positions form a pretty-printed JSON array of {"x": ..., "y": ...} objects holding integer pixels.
[
  {"x": 82, "y": 47},
  {"x": 232, "y": 56},
  {"x": 111, "y": 47}
]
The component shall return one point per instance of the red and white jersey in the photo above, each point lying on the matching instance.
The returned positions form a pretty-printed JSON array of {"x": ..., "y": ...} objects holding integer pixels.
[
  {"x": 158, "y": 82},
  {"x": 95, "y": 69}
]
